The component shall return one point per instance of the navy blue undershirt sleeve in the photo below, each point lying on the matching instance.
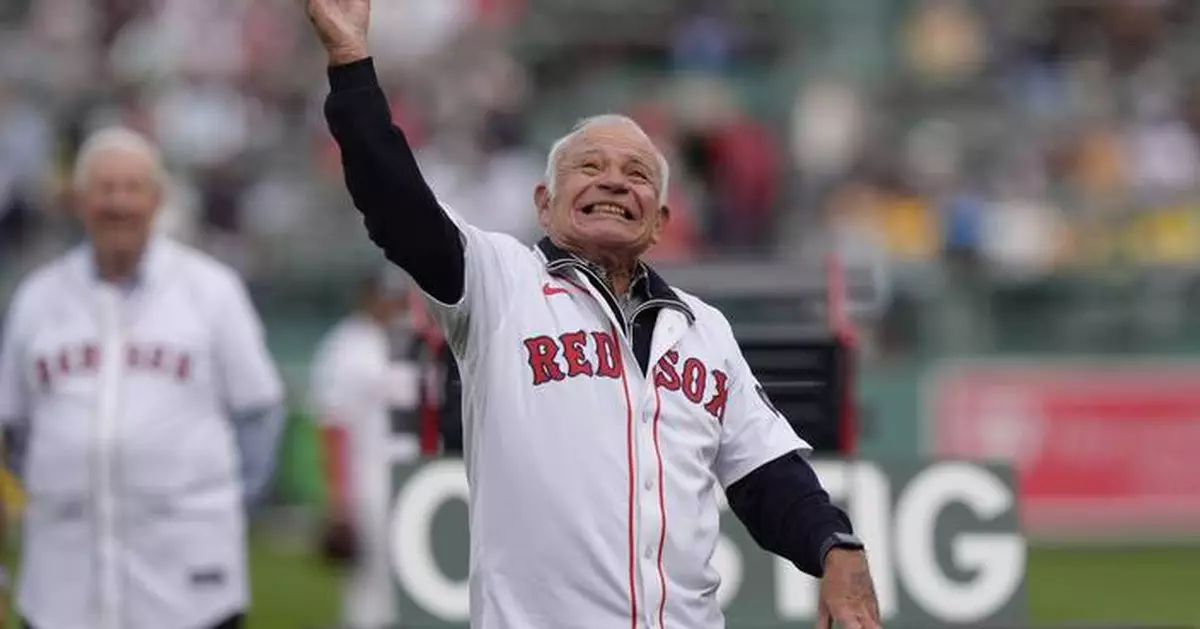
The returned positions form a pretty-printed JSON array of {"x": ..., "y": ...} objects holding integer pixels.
[
  {"x": 258, "y": 431},
  {"x": 787, "y": 512},
  {"x": 401, "y": 213}
]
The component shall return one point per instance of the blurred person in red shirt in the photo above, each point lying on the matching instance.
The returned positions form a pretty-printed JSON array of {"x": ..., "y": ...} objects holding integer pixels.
[{"x": 737, "y": 161}]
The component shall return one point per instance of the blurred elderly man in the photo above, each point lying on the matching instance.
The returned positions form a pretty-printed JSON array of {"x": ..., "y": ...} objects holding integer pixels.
[
  {"x": 135, "y": 367},
  {"x": 602, "y": 408}
]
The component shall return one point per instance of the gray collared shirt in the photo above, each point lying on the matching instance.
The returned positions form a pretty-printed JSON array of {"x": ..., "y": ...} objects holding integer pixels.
[{"x": 638, "y": 291}]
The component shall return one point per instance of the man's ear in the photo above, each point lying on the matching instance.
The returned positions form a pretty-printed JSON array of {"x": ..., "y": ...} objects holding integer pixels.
[
  {"x": 664, "y": 218},
  {"x": 160, "y": 195},
  {"x": 541, "y": 200}
]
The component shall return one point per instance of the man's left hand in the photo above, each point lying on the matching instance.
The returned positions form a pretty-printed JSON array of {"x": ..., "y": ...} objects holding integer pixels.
[{"x": 847, "y": 592}]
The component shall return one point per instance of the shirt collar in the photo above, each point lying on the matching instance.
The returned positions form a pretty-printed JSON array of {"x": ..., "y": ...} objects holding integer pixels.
[
  {"x": 646, "y": 281},
  {"x": 142, "y": 273},
  {"x": 639, "y": 285}
]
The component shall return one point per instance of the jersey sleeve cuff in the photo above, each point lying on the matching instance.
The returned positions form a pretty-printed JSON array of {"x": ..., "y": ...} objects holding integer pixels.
[
  {"x": 352, "y": 76},
  {"x": 736, "y": 472}
]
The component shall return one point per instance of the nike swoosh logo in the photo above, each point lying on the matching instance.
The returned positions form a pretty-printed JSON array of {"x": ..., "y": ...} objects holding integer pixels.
[{"x": 548, "y": 290}]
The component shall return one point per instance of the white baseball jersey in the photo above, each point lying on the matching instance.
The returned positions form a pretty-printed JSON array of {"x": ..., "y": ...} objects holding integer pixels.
[
  {"x": 354, "y": 384},
  {"x": 134, "y": 517},
  {"x": 592, "y": 484}
]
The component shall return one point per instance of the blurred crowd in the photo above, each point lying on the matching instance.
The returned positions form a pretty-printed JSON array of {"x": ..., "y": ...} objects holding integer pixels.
[
  {"x": 1014, "y": 137},
  {"x": 1023, "y": 138}
]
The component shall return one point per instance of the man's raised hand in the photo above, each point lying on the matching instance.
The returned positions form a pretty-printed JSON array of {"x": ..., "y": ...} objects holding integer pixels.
[{"x": 342, "y": 27}]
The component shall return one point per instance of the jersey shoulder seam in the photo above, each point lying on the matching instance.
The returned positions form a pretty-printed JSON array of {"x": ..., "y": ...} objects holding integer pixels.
[{"x": 522, "y": 255}]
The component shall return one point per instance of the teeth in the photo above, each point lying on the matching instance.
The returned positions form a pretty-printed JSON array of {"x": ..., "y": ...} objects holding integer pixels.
[{"x": 609, "y": 208}]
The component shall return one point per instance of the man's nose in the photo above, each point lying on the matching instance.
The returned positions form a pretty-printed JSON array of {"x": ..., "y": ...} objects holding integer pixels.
[
  {"x": 614, "y": 183},
  {"x": 126, "y": 201}
]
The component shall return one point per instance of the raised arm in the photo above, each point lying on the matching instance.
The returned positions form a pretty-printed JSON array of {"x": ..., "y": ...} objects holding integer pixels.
[{"x": 401, "y": 213}]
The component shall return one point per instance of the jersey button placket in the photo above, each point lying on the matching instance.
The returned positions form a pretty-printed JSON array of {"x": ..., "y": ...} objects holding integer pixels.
[
  {"x": 651, "y": 488},
  {"x": 648, "y": 516},
  {"x": 651, "y": 516}
]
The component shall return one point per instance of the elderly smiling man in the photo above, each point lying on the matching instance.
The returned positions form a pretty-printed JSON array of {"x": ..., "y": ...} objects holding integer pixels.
[
  {"x": 601, "y": 407},
  {"x": 135, "y": 366}
]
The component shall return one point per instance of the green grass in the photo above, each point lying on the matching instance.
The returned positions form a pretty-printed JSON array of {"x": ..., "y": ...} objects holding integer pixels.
[
  {"x": 291, "y": 590},
  {"x": 1158, "y": 586},
  {"x": 1070, "y": 586}
]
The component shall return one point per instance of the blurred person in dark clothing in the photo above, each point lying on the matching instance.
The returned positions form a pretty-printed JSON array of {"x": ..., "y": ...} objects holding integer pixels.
[
  {"x": 16, "y": 221},
  {"x": 25, "y": 143}
]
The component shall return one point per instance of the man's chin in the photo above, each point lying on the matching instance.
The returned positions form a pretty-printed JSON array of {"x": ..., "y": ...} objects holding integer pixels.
[
  {"x": 120, "y": 246},
  {"x": 613, "y": 241}
]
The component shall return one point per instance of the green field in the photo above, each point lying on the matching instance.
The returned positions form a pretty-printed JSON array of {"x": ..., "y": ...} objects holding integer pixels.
[
  {"x": 1068, "y": 587},
  {"x": 1159, "y": 586}
]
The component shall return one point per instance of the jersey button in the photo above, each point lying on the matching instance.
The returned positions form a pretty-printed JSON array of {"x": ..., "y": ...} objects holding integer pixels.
[
  {"x": 649, "y": 552},
  {"x": 649, "y": 484}
]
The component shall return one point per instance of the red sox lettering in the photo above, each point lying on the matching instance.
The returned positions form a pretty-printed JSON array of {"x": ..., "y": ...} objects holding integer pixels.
[
  {"x": 571, "y": 355},
  {"x": 691, "y": 380},
  {"x": 84, "y": 358},
  {"x": 545, "y": 352}
]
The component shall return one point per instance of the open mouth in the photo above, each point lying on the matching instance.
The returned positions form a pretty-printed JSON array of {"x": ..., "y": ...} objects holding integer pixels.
[{"x": 609, "y": 209}]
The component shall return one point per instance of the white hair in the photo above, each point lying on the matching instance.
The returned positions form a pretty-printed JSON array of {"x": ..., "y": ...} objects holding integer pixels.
[
  {"x": 560, "y": 145},
  {"x": 116, "y": 140}
]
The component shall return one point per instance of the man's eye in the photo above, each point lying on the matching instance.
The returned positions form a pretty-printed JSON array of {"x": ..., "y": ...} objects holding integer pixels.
[{"x": 591, "y": 167}]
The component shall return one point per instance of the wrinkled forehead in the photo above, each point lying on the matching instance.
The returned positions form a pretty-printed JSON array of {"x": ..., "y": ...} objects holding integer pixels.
[
  {"x": 615, "y": 139},
  {"x": 119, "y": 163}
]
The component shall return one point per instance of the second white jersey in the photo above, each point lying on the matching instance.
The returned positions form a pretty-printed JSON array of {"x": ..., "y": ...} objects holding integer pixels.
[
  {"x": 592, "y": 483},
  {"x": 134, "y": 518},
  {"x": 355, "y": 383}
]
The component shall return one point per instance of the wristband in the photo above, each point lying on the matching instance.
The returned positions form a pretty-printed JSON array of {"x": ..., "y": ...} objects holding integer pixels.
[{"x": 840, "y": 540}]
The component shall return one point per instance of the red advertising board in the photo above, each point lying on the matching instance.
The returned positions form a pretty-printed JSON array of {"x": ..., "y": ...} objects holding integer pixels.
[{"x": 1099, "y": 448}]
